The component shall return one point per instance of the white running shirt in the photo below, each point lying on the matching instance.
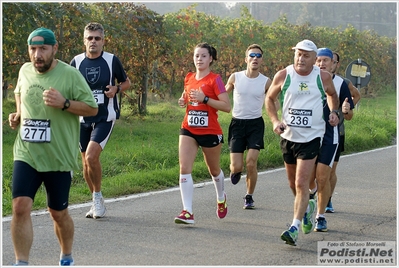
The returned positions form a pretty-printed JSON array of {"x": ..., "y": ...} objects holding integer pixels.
[
  {"x": 302, "y": 101},
  {"x": 248, "y": 96}
]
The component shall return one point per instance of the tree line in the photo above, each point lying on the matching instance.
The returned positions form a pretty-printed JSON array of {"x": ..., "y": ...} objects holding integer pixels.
[
  {"x": 156, "y": 50},
  {"x": 380, "y": 16}
]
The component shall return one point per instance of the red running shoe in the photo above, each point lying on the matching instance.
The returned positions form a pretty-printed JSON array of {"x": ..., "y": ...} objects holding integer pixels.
[
  {"x": 221, "y": 210},
  {"x": 185, "y": 217}
]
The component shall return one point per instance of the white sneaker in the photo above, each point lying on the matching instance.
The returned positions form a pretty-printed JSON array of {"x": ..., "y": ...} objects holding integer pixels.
[
  {"x": 90, "y": 213},
  {"x": 99, "y": 208}
]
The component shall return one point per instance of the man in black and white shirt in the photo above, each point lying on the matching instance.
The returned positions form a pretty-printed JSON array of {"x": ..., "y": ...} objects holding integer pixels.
[{"x": 100, "y": 69}]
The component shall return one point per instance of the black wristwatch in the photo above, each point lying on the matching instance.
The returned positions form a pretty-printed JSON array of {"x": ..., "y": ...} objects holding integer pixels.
[
  {"x": 206, "y": 99},
  {"x": 119, "y": 88},
  {"x": 66, "y": 104}
]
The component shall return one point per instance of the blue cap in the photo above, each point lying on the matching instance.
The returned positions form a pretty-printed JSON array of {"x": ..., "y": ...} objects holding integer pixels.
[{"x": 325, "y": 52}]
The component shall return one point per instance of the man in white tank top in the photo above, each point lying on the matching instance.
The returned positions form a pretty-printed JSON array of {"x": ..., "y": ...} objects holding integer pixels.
[
  {"x": 247, "y": 127},
  {"x": 303, "y": 89}
]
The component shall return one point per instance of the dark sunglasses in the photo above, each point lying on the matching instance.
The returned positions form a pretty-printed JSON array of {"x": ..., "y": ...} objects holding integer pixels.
[
  {"x": 97, "y": 38},
  {"x": 253, "y": 55}
]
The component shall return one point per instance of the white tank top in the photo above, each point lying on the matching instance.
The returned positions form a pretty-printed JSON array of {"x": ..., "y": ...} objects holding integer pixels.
[
  {"x": 248, "y": 96},
  {"x": 302, "y": 101}
]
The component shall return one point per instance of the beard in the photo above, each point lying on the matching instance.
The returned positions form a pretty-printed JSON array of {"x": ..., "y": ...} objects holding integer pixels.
[{"x": 46, "y": 65}]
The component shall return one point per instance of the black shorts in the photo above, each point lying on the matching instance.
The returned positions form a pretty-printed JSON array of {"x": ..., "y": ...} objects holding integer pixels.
[
  {"x": 98, "y": 132},
  {"x": 327, "y": 154},
  {"x": 208, "y": 140},
  {"x": 294, "y": 150},
  {"x": 26, "y": 181},
  {"x": 341, "y": 148},
  {"x": 246, "y": 134}
]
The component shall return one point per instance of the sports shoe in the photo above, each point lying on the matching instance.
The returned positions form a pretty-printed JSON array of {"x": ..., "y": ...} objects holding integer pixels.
[
  {"x": 90, "y": 213},
  {"x": 67, "y": 262},
  {"x": 235, "y": 177},
  {"x": 290, "y": 236},
  {"x": 329, "y": 208},
  {"x": 19, "y": 264},
  {"x": 321, "y": 225},
  {"x": 99, "y": 209},
  {"x": 249, "y": 202},
  {"x": 185, "y": 217},
  {"x": 308, "y": 221},
  {"x": 221, "y": 210}
]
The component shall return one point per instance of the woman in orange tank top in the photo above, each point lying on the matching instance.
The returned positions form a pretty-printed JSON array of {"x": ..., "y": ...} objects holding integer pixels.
[{"x": 203, "y": 96}]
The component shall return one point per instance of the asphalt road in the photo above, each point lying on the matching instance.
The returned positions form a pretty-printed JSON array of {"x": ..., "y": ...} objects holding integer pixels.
[{"x": 139, "y": 230}]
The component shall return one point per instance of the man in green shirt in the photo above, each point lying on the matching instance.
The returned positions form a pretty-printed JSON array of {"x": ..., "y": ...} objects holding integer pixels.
[{"x": 50, "y": 96}]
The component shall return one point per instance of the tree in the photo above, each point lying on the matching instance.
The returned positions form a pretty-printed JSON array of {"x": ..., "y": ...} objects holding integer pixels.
[{"x": 156, "y": 50}]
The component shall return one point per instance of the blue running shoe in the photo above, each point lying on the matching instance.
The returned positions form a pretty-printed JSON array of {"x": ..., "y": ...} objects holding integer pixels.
[
  {"x": 249, "y": 202},
  {"x": 67, "y": 262},
  {"x": 235, "y": 177},
  {"x": 329, "y": 208},
  {"x": 20, "y": 264},
  {"x": 290, "y": 236},
  {"x": 321, "y": 225}
]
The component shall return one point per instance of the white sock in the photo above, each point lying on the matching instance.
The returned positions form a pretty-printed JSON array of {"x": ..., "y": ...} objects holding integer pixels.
[
  {"x": 219, "y": 186},
  {"x": 97, "y": 194},
  {"x": 187, "y": 190},
  {"x": 313, "y": 190},
  {"x": 320, "y": 216},
  {"x": 296, "y": 223},
  {"x": 66, "y": 256}
]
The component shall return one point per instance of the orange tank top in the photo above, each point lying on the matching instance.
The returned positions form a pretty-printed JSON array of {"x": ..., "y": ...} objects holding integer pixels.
[{"x": 200, "y": 118}]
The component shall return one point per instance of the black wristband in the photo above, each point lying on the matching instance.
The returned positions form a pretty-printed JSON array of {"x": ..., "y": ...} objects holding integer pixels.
[
  {"x": 206, "y": 99},
  {"x": 119, "y": 88}
]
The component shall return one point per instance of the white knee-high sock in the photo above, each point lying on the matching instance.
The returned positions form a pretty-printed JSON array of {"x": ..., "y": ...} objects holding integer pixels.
[
  {"x": 219, "y": 186},
  {"x": 187, "y": 190}
]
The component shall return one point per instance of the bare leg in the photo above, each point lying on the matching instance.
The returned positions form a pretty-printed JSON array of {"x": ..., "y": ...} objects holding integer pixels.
[
  {"x": 85, "y": 172},
  {"x": 302, "y": 181},
  {"x": 63, "y": 228},
  {"x": 236, "y": 162},
  {"x": 291, "y": 171},
  {"x": 333, "y": 178},
  {"x": 92, "y": 166},
  {"x": 252, "y": 170},
  {"x": 21, "y": 227},
  {"x": 323, "y": 173},
  {"x": 212, "y": 159}
]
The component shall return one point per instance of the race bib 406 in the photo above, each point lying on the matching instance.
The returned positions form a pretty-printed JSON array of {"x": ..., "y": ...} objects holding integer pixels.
[{"x": 197, "y": 118}]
